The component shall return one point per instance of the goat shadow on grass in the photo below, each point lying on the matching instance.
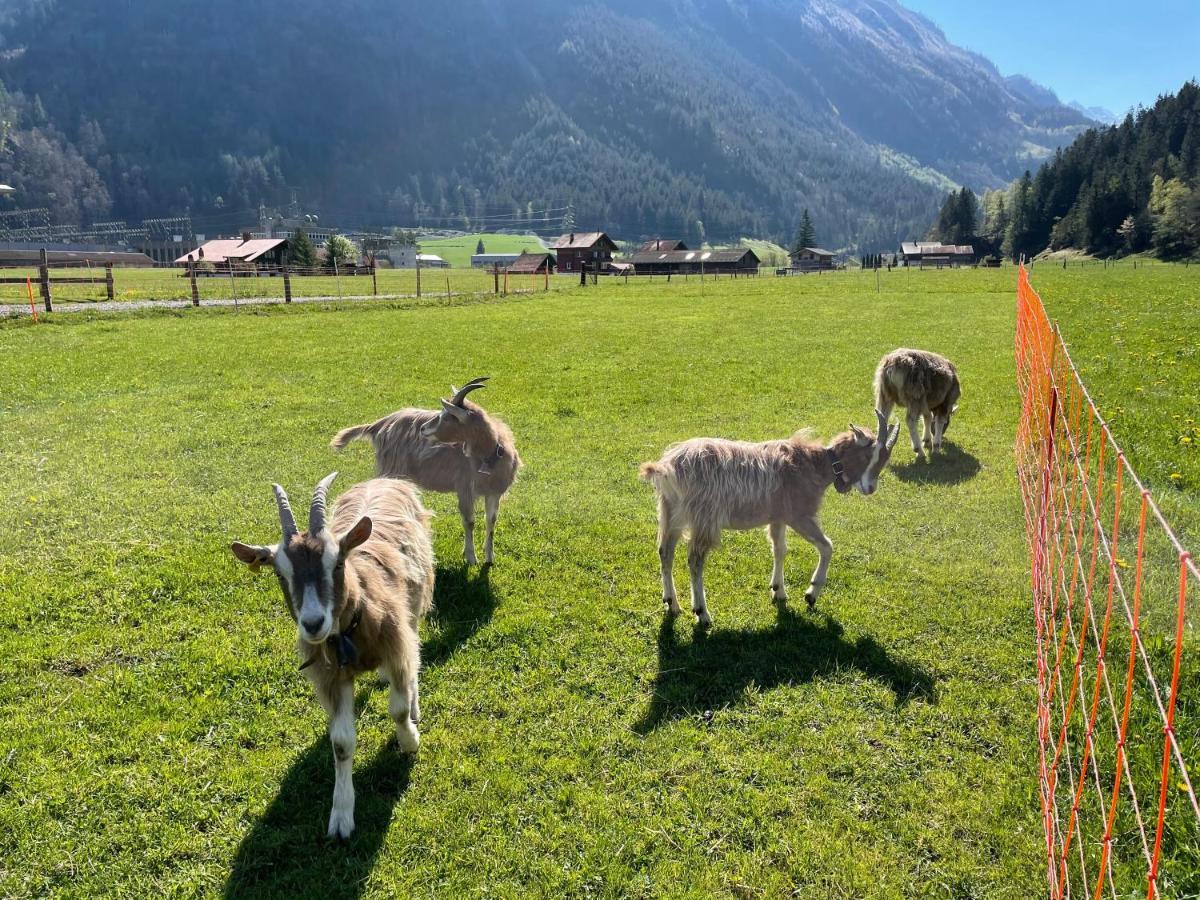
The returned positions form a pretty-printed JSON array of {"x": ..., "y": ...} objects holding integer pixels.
[
  {"x": 286, "y": 853},
  {"x": 950, "y": 465},
  {"x": 714, "y": 670},
  {"x": 463, "y": 602}
]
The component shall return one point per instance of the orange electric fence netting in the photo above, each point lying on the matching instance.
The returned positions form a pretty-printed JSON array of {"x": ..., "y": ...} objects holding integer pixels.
[{"x": 1118, "y": 716}]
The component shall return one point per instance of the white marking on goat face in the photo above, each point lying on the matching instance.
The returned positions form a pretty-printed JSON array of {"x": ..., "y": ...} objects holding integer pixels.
[
  {"x": 306, "y": 570},
  {"x": 870, "y": 476}
]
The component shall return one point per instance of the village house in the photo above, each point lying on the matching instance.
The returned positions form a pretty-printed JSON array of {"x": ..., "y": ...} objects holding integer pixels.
[
  {"x": 660, "y": 244},
  {"x": 488, "y": 260},
  {"x": 812, "y": 259},
  {"x": 594, "y": 249},
  {"x": 244, "y": 253}
]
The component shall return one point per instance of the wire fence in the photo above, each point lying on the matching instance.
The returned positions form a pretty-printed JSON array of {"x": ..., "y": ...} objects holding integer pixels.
[{"x": 1118, "y": 715}]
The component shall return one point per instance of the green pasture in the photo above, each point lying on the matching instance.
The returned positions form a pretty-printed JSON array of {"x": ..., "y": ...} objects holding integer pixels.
[{"x": 158, "y": 739}]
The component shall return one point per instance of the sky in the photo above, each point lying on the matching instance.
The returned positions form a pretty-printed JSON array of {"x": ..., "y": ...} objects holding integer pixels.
[{"x": 1099, "y": 53}]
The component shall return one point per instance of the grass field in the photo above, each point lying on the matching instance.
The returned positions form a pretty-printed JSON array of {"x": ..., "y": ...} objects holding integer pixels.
[
  {"x": 157, "y": 736},
  {"x": 458, "y": 250}
]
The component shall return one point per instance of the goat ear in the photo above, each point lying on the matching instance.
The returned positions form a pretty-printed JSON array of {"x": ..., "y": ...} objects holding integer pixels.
[
  {"x": 860, "y": 437},
  {"x": 356, "y": 535},
  {"x": 457, "y": 411},
  {"x": 254, "y": 557}
]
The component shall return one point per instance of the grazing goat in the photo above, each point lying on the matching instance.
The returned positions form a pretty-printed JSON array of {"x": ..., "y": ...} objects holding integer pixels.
[
  {"x": 707, "y": 485},
  {"x": 357, "y": 589},
  {"x": 459, "y": 449},
  {"x": 923, "y": 383}
]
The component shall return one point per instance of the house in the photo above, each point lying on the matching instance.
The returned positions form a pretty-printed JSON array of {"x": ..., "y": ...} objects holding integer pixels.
[
  {"x": 739, "y": 261},
  {"x": 488, "y": 260},
  {"x": 932, "y": 254},
  {"x": 661, "y": 244},
  {"x": 243, "y": 253},
  {"x": 431, "y": 261},
  {"x": 593, "y": 248},
  {"x": 532, "y": 264},
  {"x": 812, "y": 259}
]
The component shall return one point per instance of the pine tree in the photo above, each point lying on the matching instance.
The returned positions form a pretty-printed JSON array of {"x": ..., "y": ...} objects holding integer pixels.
[
  {"x": 301, "y": 252},
  {"x": 807, "y": 235},
  {"x": 479, "y": 250}
]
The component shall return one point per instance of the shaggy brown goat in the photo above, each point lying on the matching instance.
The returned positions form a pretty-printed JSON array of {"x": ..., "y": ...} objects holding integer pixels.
[
  {"x": 460, "y": 449},
  {"x": 708, "y": 485},
  {"x": 923, "y": 383},
  {"x": 357, "y": 589}
]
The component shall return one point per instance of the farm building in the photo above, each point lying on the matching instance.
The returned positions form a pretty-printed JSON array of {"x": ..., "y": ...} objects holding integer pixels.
[
  {"x": 594, "y": 248},
  {"x": 487, "y": 260},
  {"x": 431, "y": 261},
  {"x": 932, "y": 254},
  {"x": 739, "y": 260},
  {"x": 812, "y": 259},
  {"x": 17, "y": 255},
  {"x": 242, "y": 253},
  {"x": 532, "y": 264},
  {"x": 660, "y": 244}
]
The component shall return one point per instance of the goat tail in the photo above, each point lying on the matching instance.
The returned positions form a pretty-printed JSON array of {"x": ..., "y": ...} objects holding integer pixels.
[
  {"x": 650, "y": 472},
  {"x": 346, "y": 435}
]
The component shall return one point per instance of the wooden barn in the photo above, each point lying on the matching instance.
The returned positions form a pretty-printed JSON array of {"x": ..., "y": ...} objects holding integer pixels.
[
  {"x": 812, "y": 259},
  {"x": 931, "y": 254},
  {"x": 737, "y": 261},
  {"x": 594, "y": 249},
  {"x": 532, "y": 264},
  {"x": 661, "y": 244}
]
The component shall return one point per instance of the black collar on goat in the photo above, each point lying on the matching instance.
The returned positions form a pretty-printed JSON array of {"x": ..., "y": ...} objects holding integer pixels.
[{"x": 839, "y": 473}]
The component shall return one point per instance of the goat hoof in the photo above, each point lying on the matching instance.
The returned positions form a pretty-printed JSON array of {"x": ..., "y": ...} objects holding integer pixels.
[
  {"x": 672, "y": 606},
  {"x": 407, "y": 738},
  {"x": 779, "y": 594},
  {"x": 703, "y": 619},
  {"x": 341, "y": 825},
  {"x": 811, "y": 599}
]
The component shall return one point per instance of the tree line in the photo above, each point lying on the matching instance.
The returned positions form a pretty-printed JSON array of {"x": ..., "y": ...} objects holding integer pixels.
[{"x": 1129, "y": 188}]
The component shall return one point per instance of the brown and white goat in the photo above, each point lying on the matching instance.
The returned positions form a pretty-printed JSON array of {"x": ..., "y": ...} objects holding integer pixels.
[
  {"x": 708, "y": 485},
  {"x": 357, "y": 588},
  {"x": 926, "y": 385},
  {"x": 459, "y": 449}
]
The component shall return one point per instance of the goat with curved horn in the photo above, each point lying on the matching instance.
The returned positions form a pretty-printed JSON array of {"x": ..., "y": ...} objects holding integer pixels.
[
  {"x": 459, "y": 448},
  {"x": 287, "y": 518},
  {"x": 460, "y": 394},
  {"x": 316, "y": 515}
]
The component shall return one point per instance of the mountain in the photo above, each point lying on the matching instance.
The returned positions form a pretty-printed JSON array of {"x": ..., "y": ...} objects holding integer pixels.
[
  {"x": 1096, "y": 113},
  {"x": 699, "y": 118}
]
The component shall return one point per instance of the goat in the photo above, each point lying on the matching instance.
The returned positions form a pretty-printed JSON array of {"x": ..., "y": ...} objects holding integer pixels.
[
  {"x": 707, "y": 485},
  {"x": 357, "y": 589},
  {"x": 926, "y": 385},
  {"x": 460, "y": 449}
]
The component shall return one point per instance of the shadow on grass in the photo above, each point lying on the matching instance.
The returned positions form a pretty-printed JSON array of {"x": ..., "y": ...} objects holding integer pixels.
[
  {"x": 714, "y": 670},
  {"x": 463, "y": 602},
  {"x": 951, "y": 465},
  {"x": 286, "y": 854}
]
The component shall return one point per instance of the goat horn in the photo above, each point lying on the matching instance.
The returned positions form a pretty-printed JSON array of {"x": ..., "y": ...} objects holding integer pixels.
[
  {"x": 286, "y": 518},
  {"x": 316, "y": 515},
  {"x": 473, "y": 385},
  {"x": 883, "y": 425},
  {"x": 894, "y": 436}
]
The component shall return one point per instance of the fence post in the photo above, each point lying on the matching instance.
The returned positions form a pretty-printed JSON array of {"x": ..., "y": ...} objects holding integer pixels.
[
  {"x": 374, "y": 281},
  {"x": 44, "y": 278},
  {"x": 418, "y": 277},
  {"x": 496, "y": 278},
  {"x": 108, "y": 281},
  {"x": 287, "y": 284},
  {"x": 191, "y": 267}
]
